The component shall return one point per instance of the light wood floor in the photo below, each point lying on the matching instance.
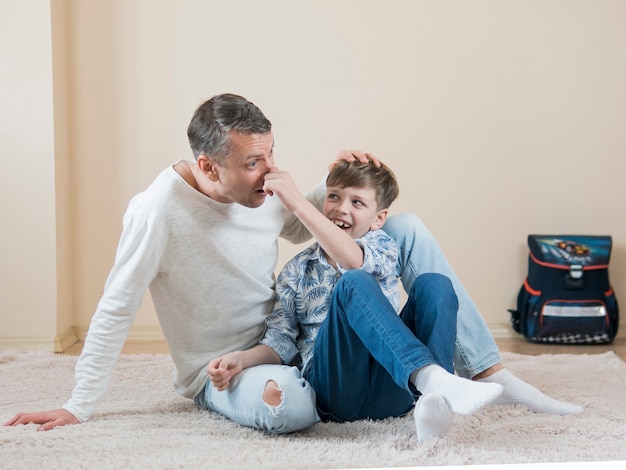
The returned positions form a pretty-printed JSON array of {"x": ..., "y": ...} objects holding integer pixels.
[
  {"x": 521, "y": 346},
  {"x": 516, "y": 344}
]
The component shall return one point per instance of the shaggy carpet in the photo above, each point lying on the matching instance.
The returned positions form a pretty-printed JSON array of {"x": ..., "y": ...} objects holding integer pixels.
[{"x": 143, "y": 423}]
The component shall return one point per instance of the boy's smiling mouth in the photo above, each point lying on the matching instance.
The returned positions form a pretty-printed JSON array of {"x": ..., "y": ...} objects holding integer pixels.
[{"x": 341, "y": 224}]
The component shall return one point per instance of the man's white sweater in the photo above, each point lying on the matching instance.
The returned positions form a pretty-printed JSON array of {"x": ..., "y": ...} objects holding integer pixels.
[{"x": 210, "y": 270}]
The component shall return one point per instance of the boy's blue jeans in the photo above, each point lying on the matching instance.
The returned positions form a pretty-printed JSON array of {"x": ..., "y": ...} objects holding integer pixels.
[
  {"x": 365, "y": 353},
  {"x": 476, "y": 350}
]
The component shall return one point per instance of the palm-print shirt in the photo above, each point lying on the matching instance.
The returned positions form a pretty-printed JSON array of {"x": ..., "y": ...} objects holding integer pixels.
[{"x": 303, "y": 294}]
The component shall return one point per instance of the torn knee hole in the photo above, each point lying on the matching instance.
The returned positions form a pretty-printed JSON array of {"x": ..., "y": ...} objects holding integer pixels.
[{"x": 272, "y": 394}]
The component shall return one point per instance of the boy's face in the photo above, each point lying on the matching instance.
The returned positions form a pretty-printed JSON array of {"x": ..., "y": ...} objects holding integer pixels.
[{"x": 354, "y": 210}]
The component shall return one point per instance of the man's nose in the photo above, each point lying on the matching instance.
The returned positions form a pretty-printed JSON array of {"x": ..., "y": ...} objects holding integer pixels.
[{"x": 269, "y": 163}]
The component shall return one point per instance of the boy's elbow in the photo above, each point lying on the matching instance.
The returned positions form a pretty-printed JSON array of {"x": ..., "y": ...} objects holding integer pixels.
[
  {"x": 359, "y": 259},
  {"x": 356, "y": 263}
]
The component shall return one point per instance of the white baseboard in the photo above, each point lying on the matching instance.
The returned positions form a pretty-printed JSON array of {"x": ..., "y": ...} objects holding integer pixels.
[
  {"x": 24, "y": 344},
  {"x": 71, "y": 336},
  {"x": 139, "y": 333},
  {"x": 65, "y": 340},
  {"x": 502, "y": 330},
  {"x": 152, "y": 333}
]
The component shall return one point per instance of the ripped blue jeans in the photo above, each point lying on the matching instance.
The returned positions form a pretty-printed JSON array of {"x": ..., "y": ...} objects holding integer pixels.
[{"x": 243, "y": 401}]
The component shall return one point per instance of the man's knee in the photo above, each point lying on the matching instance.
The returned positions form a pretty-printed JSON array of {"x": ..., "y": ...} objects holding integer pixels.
[
  {"x": 402, "y": 221},
  {"x": 290, "y": 404}
]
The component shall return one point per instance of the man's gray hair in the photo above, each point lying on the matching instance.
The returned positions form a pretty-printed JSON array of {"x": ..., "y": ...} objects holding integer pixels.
[{"x": 214, "y": 120}]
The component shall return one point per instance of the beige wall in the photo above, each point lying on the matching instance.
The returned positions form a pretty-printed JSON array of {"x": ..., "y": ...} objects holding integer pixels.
[
  {"x": 28, "y": 255},
  {"x": 501, "y": 118}
]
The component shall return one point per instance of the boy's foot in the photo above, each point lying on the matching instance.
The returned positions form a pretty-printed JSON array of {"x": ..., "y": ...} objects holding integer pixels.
[
  {"x": 433, "y": 417},
  {"x": 462, "y": 395}
]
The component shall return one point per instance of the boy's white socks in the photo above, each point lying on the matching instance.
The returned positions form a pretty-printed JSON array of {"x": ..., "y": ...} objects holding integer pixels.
[
  {"x": 463, "y": 396},
  {"x": 433, "y": 417},
  {"x": 518, "y": 392}
]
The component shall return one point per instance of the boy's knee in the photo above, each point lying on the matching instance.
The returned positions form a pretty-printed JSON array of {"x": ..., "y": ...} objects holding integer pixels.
[
  {"x": 437, "y": 288},
  {"x": 272, "y": 394},
  {"x": 433, "y": 282}
]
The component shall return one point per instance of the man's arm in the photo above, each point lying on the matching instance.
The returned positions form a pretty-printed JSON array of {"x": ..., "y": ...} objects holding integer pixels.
[
  {"x": 136, "y": 264},
  {"x": 47, "y": 419}
]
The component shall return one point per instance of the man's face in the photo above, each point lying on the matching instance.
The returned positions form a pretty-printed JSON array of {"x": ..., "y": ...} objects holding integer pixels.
[
  {"x": 354, "y": 210},
  {"x": 242, "y": 176}
]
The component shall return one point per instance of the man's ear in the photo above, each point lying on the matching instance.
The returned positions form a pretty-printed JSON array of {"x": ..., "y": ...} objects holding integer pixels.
[
  {"x": 380, "y": 219},
  {"x": 208, "y": 167}
]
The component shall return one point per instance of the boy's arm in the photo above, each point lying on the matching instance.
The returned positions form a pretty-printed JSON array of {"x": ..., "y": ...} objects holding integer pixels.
[
  {"x": 338, "y": 245},
  {"x": 293, "y": 230},
  {"x": 223, "y": 369}
]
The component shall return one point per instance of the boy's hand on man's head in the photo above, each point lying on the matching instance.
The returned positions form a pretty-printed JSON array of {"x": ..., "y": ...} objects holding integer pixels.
[{"x": 354, "y": 155}]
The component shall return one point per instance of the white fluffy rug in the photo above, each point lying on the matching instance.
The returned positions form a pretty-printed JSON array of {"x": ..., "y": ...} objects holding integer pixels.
[{"x": 143, "y": 423}]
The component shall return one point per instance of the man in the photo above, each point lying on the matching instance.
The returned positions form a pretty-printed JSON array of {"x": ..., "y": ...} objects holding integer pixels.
[{"x": 203, "y": 239}]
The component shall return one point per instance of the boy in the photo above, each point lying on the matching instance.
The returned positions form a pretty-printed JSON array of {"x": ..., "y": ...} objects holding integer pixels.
[{"x": 337, "y": 307}]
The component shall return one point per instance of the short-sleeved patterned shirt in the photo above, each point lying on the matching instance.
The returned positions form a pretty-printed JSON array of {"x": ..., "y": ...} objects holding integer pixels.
[{"x": 304, "y": 288}]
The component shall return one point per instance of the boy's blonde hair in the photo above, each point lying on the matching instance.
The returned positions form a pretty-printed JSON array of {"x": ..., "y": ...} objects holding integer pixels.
[{"x": 366, "y": 175}]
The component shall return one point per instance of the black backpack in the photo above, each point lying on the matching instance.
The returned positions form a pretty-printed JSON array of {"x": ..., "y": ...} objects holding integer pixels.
[{"x": 567, "y": 297}]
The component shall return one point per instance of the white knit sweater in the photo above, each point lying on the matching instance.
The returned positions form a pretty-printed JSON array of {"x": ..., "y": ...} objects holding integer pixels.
[{"x": 210, "y": 270}]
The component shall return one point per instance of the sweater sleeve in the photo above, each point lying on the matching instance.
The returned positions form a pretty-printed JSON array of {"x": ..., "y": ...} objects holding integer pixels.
[
  {"x": 136, "y": 265},
  {"x": 293, "y": 230}
]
